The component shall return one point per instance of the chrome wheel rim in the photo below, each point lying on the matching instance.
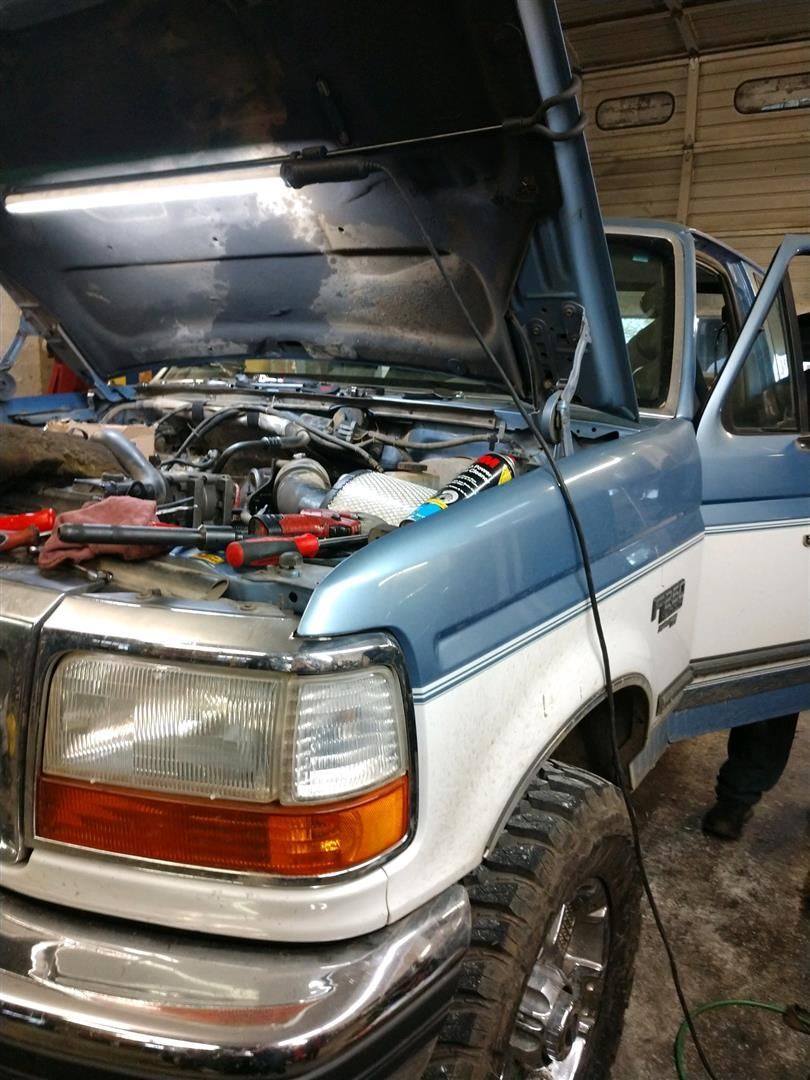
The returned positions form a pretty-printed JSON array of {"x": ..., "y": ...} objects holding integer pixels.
[{"x": 563, "y": 994}]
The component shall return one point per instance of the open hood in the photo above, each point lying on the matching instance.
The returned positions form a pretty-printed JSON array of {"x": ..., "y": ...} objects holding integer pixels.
[{"x": 105, "y": 89}]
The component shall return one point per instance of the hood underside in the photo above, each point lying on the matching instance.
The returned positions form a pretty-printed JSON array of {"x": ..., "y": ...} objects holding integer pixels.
[{"x": 337, "y": 270}]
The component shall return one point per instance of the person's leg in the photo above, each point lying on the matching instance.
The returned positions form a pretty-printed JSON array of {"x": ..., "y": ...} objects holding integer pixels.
[{"x": 757, "y": 756}]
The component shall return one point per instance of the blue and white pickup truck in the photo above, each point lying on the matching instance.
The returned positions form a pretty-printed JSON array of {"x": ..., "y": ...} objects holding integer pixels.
[{"x": 350, "y": 815}]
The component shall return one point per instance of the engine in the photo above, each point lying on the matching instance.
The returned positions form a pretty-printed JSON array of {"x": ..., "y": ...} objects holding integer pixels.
[{"x": 212, "y": 477}]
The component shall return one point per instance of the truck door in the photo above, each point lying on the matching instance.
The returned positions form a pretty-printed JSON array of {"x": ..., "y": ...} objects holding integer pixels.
[{"x": 751, "y": 656}]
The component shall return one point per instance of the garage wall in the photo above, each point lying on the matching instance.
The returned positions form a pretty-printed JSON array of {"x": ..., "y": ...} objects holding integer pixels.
[
  {"x": 32, "y": 369},
  {"x": 744, "y": 177}
]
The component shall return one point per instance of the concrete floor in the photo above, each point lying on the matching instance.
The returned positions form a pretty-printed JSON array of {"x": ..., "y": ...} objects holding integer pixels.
[{"x": 734, "y": 916}]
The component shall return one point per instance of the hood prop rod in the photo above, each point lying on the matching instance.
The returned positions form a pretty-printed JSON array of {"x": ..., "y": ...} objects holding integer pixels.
[{"x": 555, "y": 421}]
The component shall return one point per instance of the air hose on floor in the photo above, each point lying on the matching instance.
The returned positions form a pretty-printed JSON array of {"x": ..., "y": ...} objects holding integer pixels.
[{"x": 794, "y": 1016}]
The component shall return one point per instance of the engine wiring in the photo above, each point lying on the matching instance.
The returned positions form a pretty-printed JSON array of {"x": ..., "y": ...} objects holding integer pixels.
[
  {"x": 619, "y": 767},
  {"x": 437, "y": 444},
  {"x": 232, "y": 411},
  {"x": 316, "y": 434}
]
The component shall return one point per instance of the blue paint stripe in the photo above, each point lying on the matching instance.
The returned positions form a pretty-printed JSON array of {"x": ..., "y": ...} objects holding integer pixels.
[
  {"x": 720, "y": 715},
  {"x": 424, "y": 694},
  {"x": 468, "y": 583}
]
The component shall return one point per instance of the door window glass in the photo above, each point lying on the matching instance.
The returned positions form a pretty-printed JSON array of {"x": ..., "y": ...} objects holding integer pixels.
[
  {"x": 644, "y": 271},
  {"x": 763, "y": 397},
  {"x": 715, "y": 331}
]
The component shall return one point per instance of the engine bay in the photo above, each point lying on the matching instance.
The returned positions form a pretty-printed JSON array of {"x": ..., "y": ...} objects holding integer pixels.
[{"x": 203, "y": 494}]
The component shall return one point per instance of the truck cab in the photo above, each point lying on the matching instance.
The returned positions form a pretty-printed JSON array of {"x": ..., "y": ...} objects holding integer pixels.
[{"x": 748, "y": 658}]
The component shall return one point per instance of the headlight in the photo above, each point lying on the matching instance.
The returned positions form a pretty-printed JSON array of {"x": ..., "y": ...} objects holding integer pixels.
[
  {"x": 162, "y": 727},
  {"x": 234, "y": 770}
]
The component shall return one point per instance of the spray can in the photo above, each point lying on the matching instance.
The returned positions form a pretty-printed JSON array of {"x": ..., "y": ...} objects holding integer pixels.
[{"x": 490, "y": 470}]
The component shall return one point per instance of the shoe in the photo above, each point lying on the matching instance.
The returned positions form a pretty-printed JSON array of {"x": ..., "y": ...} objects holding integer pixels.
[{"x": 726, "y": 819}]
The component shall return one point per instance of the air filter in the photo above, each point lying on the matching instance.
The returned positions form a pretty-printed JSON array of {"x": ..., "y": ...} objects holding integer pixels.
[{"x": 379, "y": 494}]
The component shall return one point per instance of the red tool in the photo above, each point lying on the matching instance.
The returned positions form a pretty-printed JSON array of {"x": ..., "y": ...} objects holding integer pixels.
[
  {"x": 321, "y": 523},
  {"x": 40, "y": 519},
  {"x": 14, "y": 538},
  {"x": 267, "y": 550}
]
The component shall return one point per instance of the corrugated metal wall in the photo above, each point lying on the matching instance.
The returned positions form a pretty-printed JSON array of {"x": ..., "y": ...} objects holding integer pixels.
[{"x": 745, "y": 178}]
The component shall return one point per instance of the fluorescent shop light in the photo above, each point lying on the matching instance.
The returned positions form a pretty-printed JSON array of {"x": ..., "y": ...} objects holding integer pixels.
[{"x": 142, "y": 192}]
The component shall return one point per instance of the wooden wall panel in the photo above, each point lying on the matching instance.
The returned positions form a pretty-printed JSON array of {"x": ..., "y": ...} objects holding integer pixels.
[
  {"x": 28, "y": 371},
  {"x": 744, "y": 178}
]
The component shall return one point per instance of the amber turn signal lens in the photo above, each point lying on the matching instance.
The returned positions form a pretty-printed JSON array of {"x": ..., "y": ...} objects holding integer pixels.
[{"x": 223, "y": 835}]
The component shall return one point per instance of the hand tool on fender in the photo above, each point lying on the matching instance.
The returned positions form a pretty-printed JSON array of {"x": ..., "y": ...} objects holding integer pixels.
[
  {"x": 321, "y": 523},
  {"x": 267, "y": 550},
  {"x": 206, "y": 537},
  {"x": 42, "y": 520},
  {"x": 14, "y": 538},
  {"x": 258, "y": 551}
]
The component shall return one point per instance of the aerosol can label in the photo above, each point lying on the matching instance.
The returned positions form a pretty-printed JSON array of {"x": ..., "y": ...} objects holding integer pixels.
[{"x": 490, "y": 470}]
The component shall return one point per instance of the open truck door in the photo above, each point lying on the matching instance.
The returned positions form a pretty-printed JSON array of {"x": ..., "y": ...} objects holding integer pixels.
[{"x": 751, "y": 656}]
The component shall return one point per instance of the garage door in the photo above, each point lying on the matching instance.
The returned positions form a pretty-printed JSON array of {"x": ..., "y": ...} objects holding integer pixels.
[{"x": 720, "y": 142}]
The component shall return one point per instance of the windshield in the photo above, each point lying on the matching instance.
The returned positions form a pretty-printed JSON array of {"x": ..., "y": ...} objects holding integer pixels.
[{"x": 644, "y": 270}]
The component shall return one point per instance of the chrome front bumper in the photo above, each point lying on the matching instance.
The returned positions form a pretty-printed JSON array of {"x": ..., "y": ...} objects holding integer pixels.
[{"x": 94, "y": 997}]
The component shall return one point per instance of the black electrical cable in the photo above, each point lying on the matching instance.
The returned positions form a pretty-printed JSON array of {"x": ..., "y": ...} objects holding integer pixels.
[
  {"x": 528, "y": 355},
  {"x": 206, "y": 425},
  {"x": 296, "y": 441},
  {"x": 592, "y": 597},
  {"x": 331, "y": 440}
]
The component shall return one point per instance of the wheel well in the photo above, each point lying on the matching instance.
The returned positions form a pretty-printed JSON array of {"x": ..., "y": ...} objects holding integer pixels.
[{"x": 588, "y": 745}]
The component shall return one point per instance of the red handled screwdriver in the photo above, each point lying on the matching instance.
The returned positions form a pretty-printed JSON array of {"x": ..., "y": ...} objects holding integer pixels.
[
  {"x": 14, "y": 538},
  {"x": 266, "y": 550},
  {"x": 38, "y": 519},
  {"x": 321, "y": 523}
]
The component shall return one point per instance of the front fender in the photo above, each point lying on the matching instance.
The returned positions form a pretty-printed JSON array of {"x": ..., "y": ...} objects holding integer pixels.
[
  {"x": 489, "y": 605},
  {"x": 461, "y": 586}
]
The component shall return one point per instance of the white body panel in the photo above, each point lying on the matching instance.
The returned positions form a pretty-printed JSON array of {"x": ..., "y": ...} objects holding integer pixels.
[
  {"x": 251, "y": 907},
  {"x": 504, "y": 715},
  {"x": 480, "y": 739},
  {"x": 755, "y": 588}
]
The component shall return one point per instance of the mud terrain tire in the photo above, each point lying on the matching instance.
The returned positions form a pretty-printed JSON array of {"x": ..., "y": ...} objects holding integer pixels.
[{"x": 570, "y": 828}]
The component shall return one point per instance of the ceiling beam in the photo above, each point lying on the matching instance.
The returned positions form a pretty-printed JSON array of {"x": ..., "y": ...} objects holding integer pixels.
[
  {"x": 683, "y": 25},
  {"x": 607, "y": 20},
  {"x": 610, "y": 20}
]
